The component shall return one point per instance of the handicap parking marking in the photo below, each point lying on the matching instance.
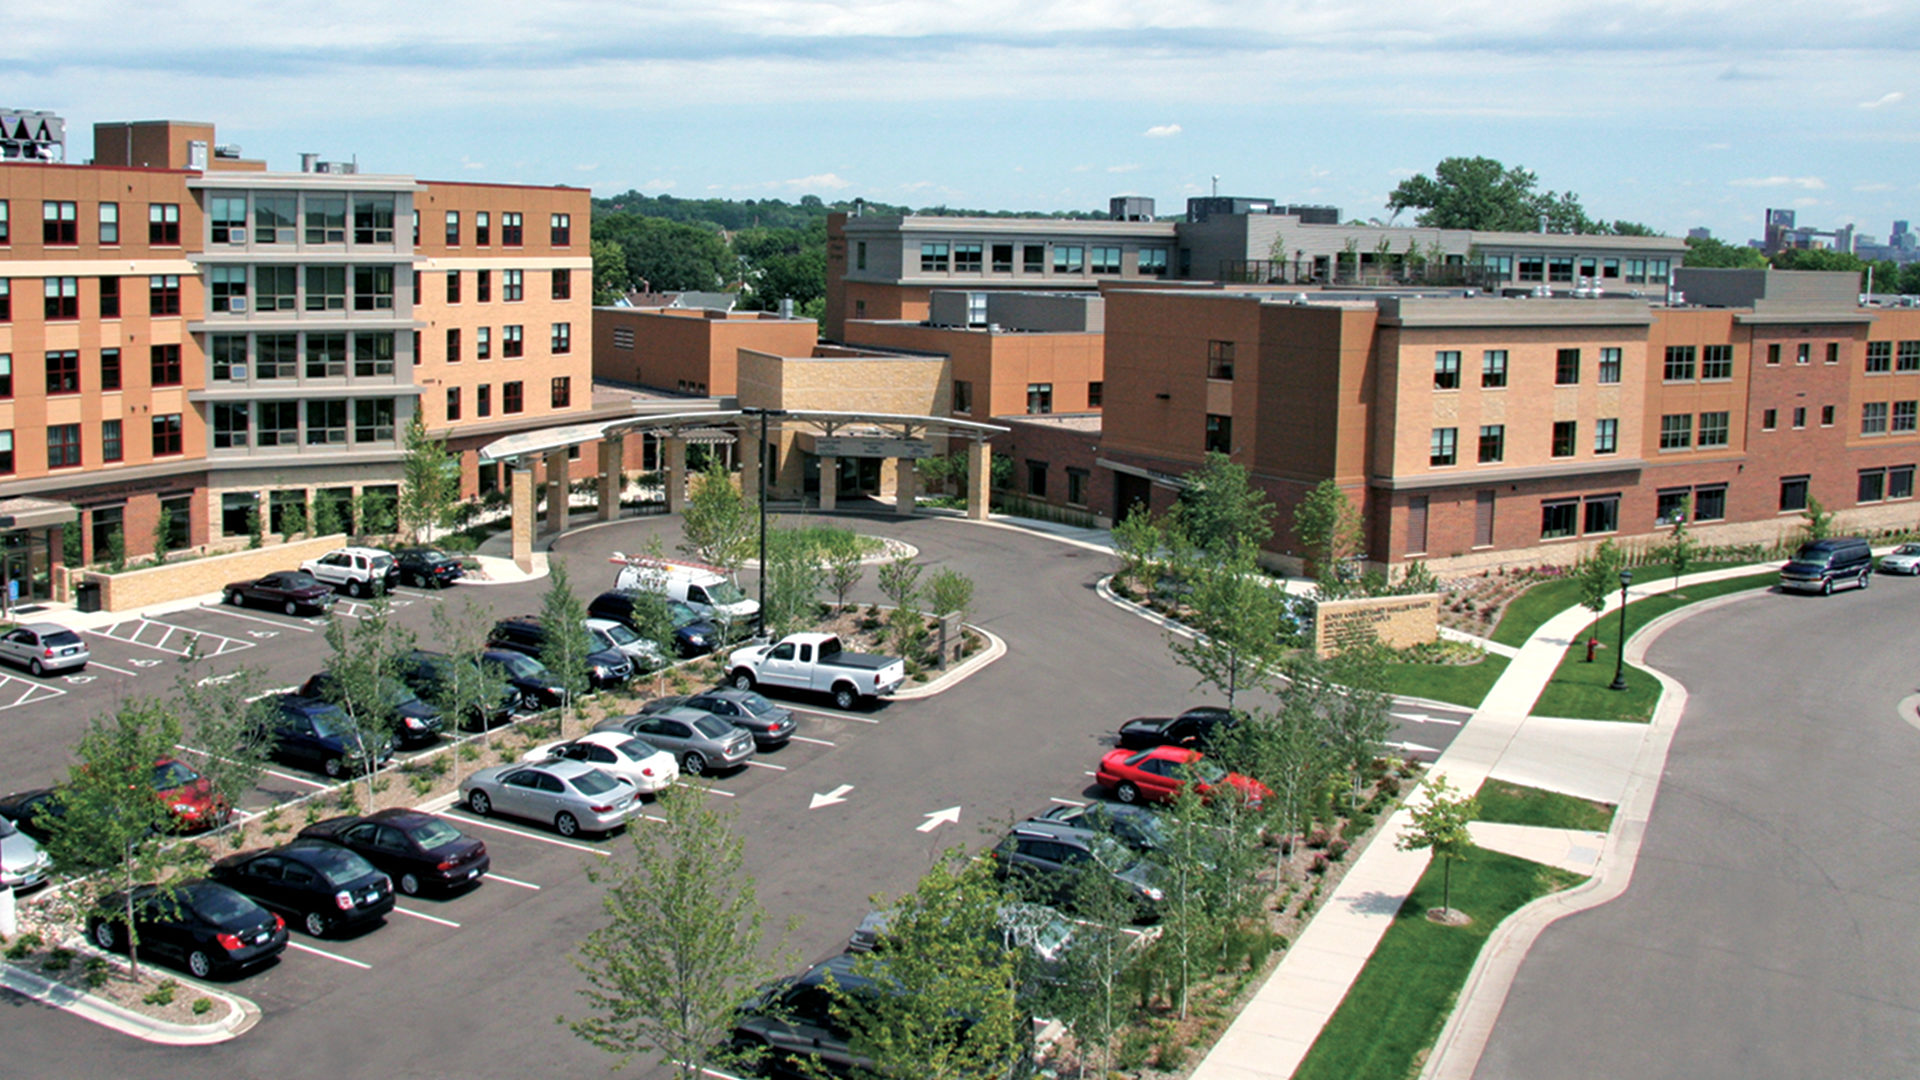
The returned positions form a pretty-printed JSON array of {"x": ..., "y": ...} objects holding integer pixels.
[
  {"x": 34, "y": 692},
  {"x": 161, "y": 637},
  {"x": 331, "y": 956},
  {"x": 222, "y": 609}
]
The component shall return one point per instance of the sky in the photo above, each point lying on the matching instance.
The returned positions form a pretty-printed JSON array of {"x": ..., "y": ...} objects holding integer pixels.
[{"x": 1675, "y": 113}]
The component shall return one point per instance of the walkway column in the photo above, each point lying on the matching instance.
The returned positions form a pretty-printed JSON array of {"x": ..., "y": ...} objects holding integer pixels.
[
  {"x": 612, "y": 478},
  {"x": 557, "y": 469},
  {"x": 829, "y": 482},
  {"x": 674, "y": 470},
  {"x": 747, "y": 449},
  {"x": 521, "y": 472},
  {"x": 906, "y": 485},
  {"x": 979, "y": 479}
]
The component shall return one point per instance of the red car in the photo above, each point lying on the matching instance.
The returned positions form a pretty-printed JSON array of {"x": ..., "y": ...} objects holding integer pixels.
[
  {"x": 189, "y": 795},
  {"x": 1155, "y": 775}
]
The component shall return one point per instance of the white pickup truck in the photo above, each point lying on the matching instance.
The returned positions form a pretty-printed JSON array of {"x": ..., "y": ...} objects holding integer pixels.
[{"x": 816, "y": 662}]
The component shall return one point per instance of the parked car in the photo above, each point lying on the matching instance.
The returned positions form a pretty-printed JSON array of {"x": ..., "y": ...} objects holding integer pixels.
[
  {"x": 1035, "y": 929},
  {"x": 816, "y": 662},
  {"x": 32, "y": 811},
  {"x": 23, "y": 863},
  {"x": 1197, "y": 728},
  {"x": 1904, "y": 559},
  {"x": 650, "y": 768},
  {"x": 574, "y": 796},
  {"x": 702, "y": 743},
  {"x": 318, "y": 735},
  {"x": 692, "y": 633},
  {"x": 1820, "y": 565},
  {"x": 416, "y": 722},
  {"x": 419, "y": 851},
  {"x": 1042, "y": 861},
  {"x": 292, "y": 591},
  {"x": 1135, "y": 826},
  {"x": 356, "y": 571},
  {"x": 537, "y": 687},
  {"x": 772, "y": 726},
  {"x": 610, "y": 636},
  {"x": 707, "y": 591},
  {"x": 1157, "y": 774},
  {"x": 43, "y": 646},
  {"x": 431, "y": 675},
  {"x": 320, "y": 886},
  {"x": 204, "y": 926},
  {"x": 526, "y": 634},
  {"x": 427, "y": 568},
  {"x": 189, "y": 795}
]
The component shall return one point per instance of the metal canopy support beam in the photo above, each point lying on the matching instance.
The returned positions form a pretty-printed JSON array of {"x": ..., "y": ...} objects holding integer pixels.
[
  {"x": 521, "y": 478},
  {"x": 613, "y": 459},
  {"x": 557, "y": 468},
  {"x": 979, "y": 478}
]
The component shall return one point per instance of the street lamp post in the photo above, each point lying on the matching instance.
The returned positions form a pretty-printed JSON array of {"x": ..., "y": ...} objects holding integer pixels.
[
  {"x": 1620, "y": 655},
  {"x": 760, "y": 618}
]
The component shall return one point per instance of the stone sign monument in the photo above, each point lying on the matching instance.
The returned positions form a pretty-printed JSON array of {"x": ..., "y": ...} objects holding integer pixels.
[{"x": 1396, "y": 621}]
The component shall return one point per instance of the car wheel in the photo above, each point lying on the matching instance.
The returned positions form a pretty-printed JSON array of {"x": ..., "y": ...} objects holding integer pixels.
[
  {"x": 199, "y": 965},
  {"x": 529, "y": 701},
  {"x": 1865, "y": 580},
  {"x": 743, "y": 679},
  {"x": 478, "y": 802},
  {"x": 1127, "y": 792},
  {"x": 567, "y": 825},
  {"x": 104, "y": 936},
  {"x": 844, "y": 698},
  {"x": 335, "y": 768},
  {"x": 354, "y": 590},
  {"x": 1826, "y": 587},
  {"x": 290, "y": 608},
  {"x": 316, "y": 924},
  {"x": 34, "y": 666},
  {"x": 409, "y": 884},
  {"x": 233, "y": 598},
  {"x": 695, "y": 764}
]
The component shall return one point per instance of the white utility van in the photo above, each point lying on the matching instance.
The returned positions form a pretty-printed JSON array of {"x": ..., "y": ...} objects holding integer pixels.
[{"x": 706, "y": 591}]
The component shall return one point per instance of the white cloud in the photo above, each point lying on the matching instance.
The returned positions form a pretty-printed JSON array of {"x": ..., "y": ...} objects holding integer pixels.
[
  {"x": 1123, "y": 168},
  {"x": 586, "y": 168},
  {"x": 468, "y": 163},
  {"x": 1810, "y": 183},
  {"x": 1162, "y": 131},
  {"x": 1893, "y": 98},
  {"x": 657, "y": 184},
  {"x": 916, "y": 185},
  {"x": 1807, "y": 200},
  {"x": 819, "y": 180},
  {"x": 1881, "y": 186}
]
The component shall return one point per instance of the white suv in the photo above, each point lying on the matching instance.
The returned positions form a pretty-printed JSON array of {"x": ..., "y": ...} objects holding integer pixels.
[{"x": 357, "y": 571}]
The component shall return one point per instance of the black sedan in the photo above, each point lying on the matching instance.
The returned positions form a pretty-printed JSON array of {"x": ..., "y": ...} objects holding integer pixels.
[
  {"x": 289, "y": 590},
  {"x": 427, "y": 568},
  {"x": 418, "y": 850},
  {"x": 537, "y": 688},
  {"x": 433, "y": 676},
  {"x": 1197, "y": 728},
  {"x": 32, "y": 811},
  {"x": 416, "y": 723},
  {"x": 772, "y": 726},
  {"x": 203, "y": 926},
  {"x": 323, "y": 887},
  {"x": 318, "y": 735}
]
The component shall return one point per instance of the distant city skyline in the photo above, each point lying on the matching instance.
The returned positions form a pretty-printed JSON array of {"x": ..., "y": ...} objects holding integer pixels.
[{"x": 1674, "y": 114}]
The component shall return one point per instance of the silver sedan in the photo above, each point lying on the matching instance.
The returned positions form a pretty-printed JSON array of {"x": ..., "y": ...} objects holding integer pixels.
[
  {"x": 22, "y": 863},
  {"x": 574, "y": 796},
  {"x": 700, "y": 740},
  {"x": 43, "y": 646}
]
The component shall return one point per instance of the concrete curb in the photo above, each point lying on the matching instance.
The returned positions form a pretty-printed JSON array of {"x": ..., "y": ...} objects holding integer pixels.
[
  {"x": 995, "y": 649},
  {"x": 240, "y": 1017},
  {"x": 1457, "y": 1052}
]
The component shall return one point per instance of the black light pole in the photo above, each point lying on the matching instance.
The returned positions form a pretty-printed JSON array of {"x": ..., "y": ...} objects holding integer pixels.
[
  {"x": 1620, "y": 656},
  {"x": 760, "y": 619}
]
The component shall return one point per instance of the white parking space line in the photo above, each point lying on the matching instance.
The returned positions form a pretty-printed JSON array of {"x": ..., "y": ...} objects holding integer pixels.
[
  {"x": 836, "y": 714},
  {"x": 1089, "y": 772},
  {"x": 1067, "y": 802},
  {"x": 231, "y": 614},
  {"x": 328, "y": 955},
  {"x": 210, "y": 644},
  {"x": 469, "y": 819},
  {"x": 717, "y": 791},
  {"x": 491, "y": 876},
  {"x": 816, "y": 742},
  {"x": 767, "y": 765},
  {"x": 654, "y": 817},
  {"x": 429, "y": 918},
  {"x": 34, "y": 691},
  {"x": 110, "y": 667},
  {"x": 277, "y": 774}
]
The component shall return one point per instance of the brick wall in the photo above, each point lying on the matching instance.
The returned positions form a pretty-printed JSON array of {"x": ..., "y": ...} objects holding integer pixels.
[{"x": 196, "y": 577}]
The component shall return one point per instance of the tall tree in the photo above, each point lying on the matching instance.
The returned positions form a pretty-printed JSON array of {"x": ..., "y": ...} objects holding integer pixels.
[
  {"x": 1705, "y": 251},
  {"x": 668, "y": 256},
  {"x": 1441, "y": 825},
  {"x": 1481, "y": 193},
  {"x": 225, "y": 719},
  {"x": 1358, "y": 716},
  {"x": 683, "y": 947},
  {"x": 429, "y": 483},
  {"x": 718, "y": 522},
  {"x": 610, "y": 278},
  {"x": 1239, "y": 619},
  {"x": 1220, "y": 509},
  {"x": 794, "y": 575},
  {"x": 362, "y": 672},
  {"x": 1329, "y": 527},
  {"x": 471, "y": 691},
  {"x": 1290, "y": 750},
  {"x": 1086, "y": 990}
]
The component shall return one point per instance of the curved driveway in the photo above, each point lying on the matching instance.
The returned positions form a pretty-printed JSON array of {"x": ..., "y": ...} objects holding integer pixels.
[{"x": 1772, "y": 928}]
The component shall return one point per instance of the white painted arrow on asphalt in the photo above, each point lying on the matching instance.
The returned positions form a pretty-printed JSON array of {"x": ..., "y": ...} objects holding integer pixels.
[
  {"x": 949, "y": 816},
  {"x": 1414, "y": 748},
  {"x": 837, "y": 795},
  {"x": 1423, "y": 718}
]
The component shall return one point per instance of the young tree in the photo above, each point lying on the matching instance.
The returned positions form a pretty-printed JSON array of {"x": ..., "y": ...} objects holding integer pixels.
[
  {"x": 471, "y": 690},
  {"x": 256, "y": 532},
  {"x": 1137, "y": 539},
  {"x": 1188, "y": 927},
  {"x": 1599, "y": 576},
  {"x": 950, "y": 591},
  {"x": 1681, "y": 547},
  {"x": 326, "y": 515},
  {"x": 846, "y": 554},
  {"x": 1328, "y": 526},
  {"x": 1239, "y": 620},
  {"x": 1358, "y": 714},
  {"x": 1442, "y": 826},
  {"x": 162, "y": 534},
  {"x": 1289, "y": 749},
  {"x": 1087, "y": 988},
  {"x": 429, "y": 483},
  {"x": 682, "y": 949},
  {"x": 1221, "y": 510},
  {"x": 900, "y": 582},
  {"x": 718, "y": 524},
  {"x": 563, "y": 622},
  {"x": 793, "y": 576},
  {"x": 225, "y": 719},
  {"x": 1819, "y": 519},
  {"x": 117, "y": 550},
  {"x": 361, "y": 675}
]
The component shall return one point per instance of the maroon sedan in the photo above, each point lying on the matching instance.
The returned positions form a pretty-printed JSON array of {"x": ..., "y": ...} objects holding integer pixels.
[{"x": 288, "y": 590}]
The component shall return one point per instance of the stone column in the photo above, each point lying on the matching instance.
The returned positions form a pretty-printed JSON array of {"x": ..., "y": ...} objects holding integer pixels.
[
  {"x": 747, "y": 450},
  {"x": 906, "y": 486},
  {"x": 979, "y": 479},
  {"x": 557, "y": 469},
  {"x": 674, "y": 473},
  {"x": 612, "y": 478},
  {"x": 829, "y": 482},
  {"x": 523, "y": 524}
]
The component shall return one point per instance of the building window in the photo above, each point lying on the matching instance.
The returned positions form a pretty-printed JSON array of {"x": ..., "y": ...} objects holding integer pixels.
[
  {"x": 962, "y": 397},
  {"x": 63, "y": 446},
  {"x": 1609, "y": 372},
  {"x": 109, "y": 223},
  {"x": 1033, "y": 258},
  {"x": 373, "y": 354},
  {"x": 1769, "y": 419},
  {"x": 1879, "y": 357},
  {"x": 933, "y": 258},
  {"x": 112, "y": 447},
  {"x": 453, "y": 286},
  {"x": 1566, "y": 367},
  {"x": 1493, "y": 443},
  {"x": 1219, "y": 434},
  {"x": 1773, "y": 353},
  {"x": 562, "y": 338},
  {"x": 237, "y": 509},
  {"x": 511, "y": 343},
  {"x": 511, "y": 233},
  {"x": 1716, "y": 363},
  {"x": 163, "y": 294},
  {"x": 226, "y": 219},
  {"x": 1220, "y": 360},
  {"x": 1679, "y": 363},
  {"x": 1909, "y": 357},
  {"x": 1826, "y": 416},
  {"x": 512, "y": 287},
  {"x": 1533, "y": 268},
  {"x": 1565, "y": 438},
  {"x": 276, "y": 356},
  {"x": 1833, "y": 352},
  {"x": 373, "y": 219},
  {"x": 1710, "y": 503},
  {"x": 1417, "y": 508},
  {"x": 163, "y": 224},
  {"x": 1106, "y": 260},
  {"x": 6, "y": 237},
  {"x": 966, "y": 258},
  {"x": 1559, "y": 519},
  {"x": 1872, "y": 486},
  {"x": 1676, "y": 431},
  {"x": 63, "y": 371},
  {"x": 1670, "y": 506},
  {"x": 1793, "y": 494},
  {"x": 1799, "y": 417},
  {"x": 60, "y": 225},
  {"x": 1873, "y": 418},
  {"x": 1606, "y": 436},
  {"x": 560, "y": 231},
  {"x": 1602, "y": 514},
  {"x": 6, "y": 376},
  {"x": 1037, "y": 478},
  {"x": 1153, "y": 261},
  {"x": 1905, "y": 415},
  {"x": 1441, "y": 446},
  {"x": 326, "y": 288},
  {"x": 326, "y": 423},
  {"x": 560, "y": 394},
  {"x": 63, "y": 298},
  {"x": 1803, "y": 354},
  {"x": 275, "y": 218},
  {"x": 1715, "y": 429},
  {"x": 326, "y": 356},
  {"x": 229, "y": 425},
  {"x": 109, "y": 297},
  {"x": 511, "y": 400},
  {"x": 623, "y": 338},
  {"x": 279, "y": 424},
  {"x": 1493, "y": 369},
  {"x": 1068, "y": 258},
  {"x": 1039, "y": 398},
  {"x": 1900, "y": 482},
  {"x": 1446, "y": 370},
  {"x": 1077, "y": 483},
  {"x": 6, "y": 451},
  {"x": 165, "y": 364},
  {"x": 6, "y": 300},
  {"x": 482, "y": 343},
  {"x": 453, "y": 228},
  {"x": 373, "y": 288},
  {"x": 1096, "y": 394},
  {"x": 225, "y": 284},
  {"x": 1002, "y": 258},
  {"x": 482, "y": 228},
  {"x": 859, "y": 309},
  {"x": 453, "y": 403},
  {"x": 166, "y": 435},
  {"x": 276, "y": 288},
  {"x": 563, "y": 284},
  {"x": 1636, "y": 271},
  {"x": 373, "y": 420},
  {"x": 1560, "y": 268},
  {"x": 229, "y": 355},
  {"x": 483, "y": 286}
]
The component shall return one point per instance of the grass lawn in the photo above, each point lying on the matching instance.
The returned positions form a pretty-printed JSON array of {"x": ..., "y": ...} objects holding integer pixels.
[
  {"x": 1460, "y": 684},
  {"x": 1549, "y": 598},
  {"x": 1579, "y": 689},
  {"x": 1512, "y": 804},
  {"x": 1397, "y": 1007}
]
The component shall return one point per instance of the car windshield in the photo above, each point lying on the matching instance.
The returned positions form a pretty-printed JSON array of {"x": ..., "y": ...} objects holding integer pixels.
[
  {"x": 713, "y": 727},
  {"x": 432, "y": 557},
  {"x": 726, "y": 592},
  {"x": 61, "y": 637},
  {"x": 619, "y": 634},
  {"x": 1208, "y": 772},
  {"x": 754, "y": 703},
  {"x": 338, "y": 865},
  {"x": 434, "y": 833},
  {"x": 593, "y": 783},
  {"x": 681, "y": 614},
  {"x": 638, "y": 748},
  {"x": 221, "y": 906},
  {"x": 296, "y": 581},
  {"x": 521, "y": 667},
  {"x": 331, "y": 723},
  {"x": 171, "y": 774},
  {"x": 1907, "y": 549},
  {"x": 1109, "y": 851}
]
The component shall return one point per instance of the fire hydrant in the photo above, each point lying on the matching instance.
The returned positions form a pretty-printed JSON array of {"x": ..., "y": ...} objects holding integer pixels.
[{"x": 1592, "y": 644}]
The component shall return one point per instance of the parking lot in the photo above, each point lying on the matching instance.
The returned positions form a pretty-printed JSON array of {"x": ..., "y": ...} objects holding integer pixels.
[{"x": 859, "y": 803}]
